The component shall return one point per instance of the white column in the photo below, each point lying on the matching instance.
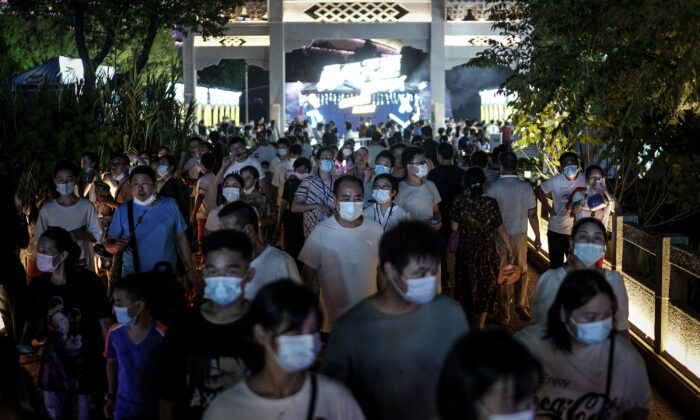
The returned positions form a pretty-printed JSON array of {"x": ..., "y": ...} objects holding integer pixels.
[
  {"x": 189, "y": 73},
  {"x": 437, "y": 64},
  {"x": 276, "y": 60}
]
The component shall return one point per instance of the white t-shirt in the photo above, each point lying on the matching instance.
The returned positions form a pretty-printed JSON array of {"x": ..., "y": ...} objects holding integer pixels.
[
  {"x": 192, "y": 167},
  {"x": 236, "y": 167},
  {"x": 573, "y": 384},
  {"x": 601, "y": 214},
  {"x": 333, "y": 402},
  {"x": 561, "y": 188},
  {"x": 387, "y": 220},
  {"x": 213, "y": 219},
  {"x": 281, "y": 172},
  {"x": 273, "y": 164},
  {"x": 265, "y": 153},
  {"x": 548, "y": 287},
  {"x": 206, "y": 187},
  {"x": 418, "y": 201},
  {"x": 81, "y": 216},
  {"x": 346, "y": 261},
  {"x": 272, "y": 264}
]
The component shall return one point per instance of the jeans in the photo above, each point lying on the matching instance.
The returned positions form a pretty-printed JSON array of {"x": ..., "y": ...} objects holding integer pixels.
[
  {"x": 558, "y": 248},
  {"x": 59, "y": 405}
]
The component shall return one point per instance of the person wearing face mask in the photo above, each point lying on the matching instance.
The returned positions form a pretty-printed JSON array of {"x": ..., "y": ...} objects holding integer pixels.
[
  {"x": 118, "y": 180},
  {"x": 382, "y": 165},
  {"x": 167, "y": 184},
  {"x": 148, "y": 229},
  {"x": 88, "y": 163},
  {"x": 561, "y": 187},
  {"x": 282, "y": 171},
  {"x": 314, "y": 196},
  {"x": 476, "y": 220},
  {"x": 286, "y": 320},
  {"x": 237, "y": 160},
  {"x": 361, "y": 170},
  {"x": 207, "y": 351},
  {"x": 418, "y": 196},
  {"x": 269, "y": 262},
  {"x": 281, "y": 154},
  {"x": 133, "y": 347},
  {"x": 231, "y": 191},
  {"x": 384, "y": 211},
  {"x": 411, "y": 329},
  {"x": 588, "y": 239},
  {"x": 345, "y": 160},
  {"x": 591, "y": 371},
  {"x": 340, "y": 254},
  {"x": 206, "y": 195},
  {"x": 67, "y": 308},
  {"x": 292, "y": 224},
  {"x": 261, "y": 202},
  {"x": 488, "y": 375},
  {"x": 263, "y": 150},
  {"x": 76, "y": 215}
]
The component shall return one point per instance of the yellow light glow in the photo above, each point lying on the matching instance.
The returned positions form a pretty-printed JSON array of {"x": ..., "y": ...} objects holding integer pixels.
[
  {"x": 364, "y": 109},
  {"x": 354, "y": 101}
]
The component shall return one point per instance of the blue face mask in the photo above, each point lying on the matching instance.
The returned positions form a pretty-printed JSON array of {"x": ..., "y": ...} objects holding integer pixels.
[
  {"x": 570, "y": 171},
  {"x": 223, "y": 290},
  {"x": 122, "y": 314},
  {"x": 327, "y": 165},
  {"x": 381, "y": 169},
  {"x": 593, "y": 332}
]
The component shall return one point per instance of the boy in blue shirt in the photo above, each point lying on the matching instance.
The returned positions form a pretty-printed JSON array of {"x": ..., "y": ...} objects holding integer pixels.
[{"x": 132, "y": 350}]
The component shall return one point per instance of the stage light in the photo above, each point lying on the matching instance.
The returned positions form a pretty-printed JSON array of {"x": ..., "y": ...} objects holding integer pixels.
[
  {"x": 354, "y": 101},
  {"x": 364, "y": 109}
]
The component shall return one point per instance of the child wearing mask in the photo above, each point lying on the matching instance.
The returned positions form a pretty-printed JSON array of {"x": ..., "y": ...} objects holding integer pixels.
[
  {"x": 207, "y": 351},
  {"x": 133, "y": 348}
]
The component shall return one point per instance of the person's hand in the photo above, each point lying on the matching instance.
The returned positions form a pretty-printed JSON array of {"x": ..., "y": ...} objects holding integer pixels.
[
  {"x": 109, "y": 409},
  {"x": 538, "y": 244},
  {"x": 438, "y": 225},
  {"x": 183, "y": 154},
  {"x": 117, "y": 244},
  {"x": 510, "y": 256},
  {"x": 325, "y": 210},
  {"x": 227, "y": 161},
  {"x": 190, "y": 278}
]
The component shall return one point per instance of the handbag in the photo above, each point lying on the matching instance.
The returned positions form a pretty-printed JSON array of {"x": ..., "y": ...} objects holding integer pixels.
[{"x": 509, "y": 274}]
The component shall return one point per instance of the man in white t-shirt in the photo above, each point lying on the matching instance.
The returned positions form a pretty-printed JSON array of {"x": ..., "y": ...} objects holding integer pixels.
[
  {"x": 561, "y": 187},
  {"x": 517, "y": 204},
  {"x": 418, "y": 196},
  {"x": 238, "y": 160},
  {"x": 263, "y": 151},
  {"x": 342, "y": 253},
  {"x": 269, "y": 262}
]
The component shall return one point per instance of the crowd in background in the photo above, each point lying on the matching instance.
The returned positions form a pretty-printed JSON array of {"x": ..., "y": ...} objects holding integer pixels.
[{"x": 309, "y": 274}]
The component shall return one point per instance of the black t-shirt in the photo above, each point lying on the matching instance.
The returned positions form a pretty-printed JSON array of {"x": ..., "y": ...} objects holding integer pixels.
[
  {"x": 68, "y": 316},
  {"x": 430, "y": 147},
  {"x": 448, "y": 180},
  {"x": 201, "y": 360},
  {"x": 171, "y": 189},
  {"x": 329, "y": 139}
]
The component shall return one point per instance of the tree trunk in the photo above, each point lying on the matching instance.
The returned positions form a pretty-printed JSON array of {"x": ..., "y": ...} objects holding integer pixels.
[
  {"x": 88, "y": 70},
  {"x": 147, "y": 43}
]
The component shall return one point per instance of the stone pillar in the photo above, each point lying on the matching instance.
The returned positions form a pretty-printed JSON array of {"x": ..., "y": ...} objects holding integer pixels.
[
  {"x": 276, "y": 59},
  {"x": 437, "y": 64},
  {"x": 189, "y": 72}
]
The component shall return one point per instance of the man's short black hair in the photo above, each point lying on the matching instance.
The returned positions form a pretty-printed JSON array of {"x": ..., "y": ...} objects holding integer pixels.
[
  {"x": 409, "y": 154},
  {"x": 244, "y": 213},
  {"x": 171, "y": 160},
  {"x": 121, "y": 156},
  {"x": 91, "y": 157},
  {"x": 386, "y": 154},
  {"x": 409, "y": 240},
  {"x": 497, "y": 151},
  {"x": 302, "y": 161},
  {"x": 235, "y": 140},
  {"x": 144, "y": 170},
  {"x": 480, "y": 159},
  {"x": 446, "y": 151},
  {"x": 394, "y": 181},
  {"x": 66, "y": 165},
  {"x": 283, "y": 142},
  {"x": 426, "y": 131},
  {"x": 295, "y": 149},
  {"x": 508, "y": 160},
  {"x": 252, "y": 169},
  {"x": 344, "y": 179},
  {"x": 208, "y": 160},
  {"x": 395, "y": 146},
  {"x": 230, "y": 239},
  {"x": 570, "y": 155},
  {"x": 136, "y": 286}
]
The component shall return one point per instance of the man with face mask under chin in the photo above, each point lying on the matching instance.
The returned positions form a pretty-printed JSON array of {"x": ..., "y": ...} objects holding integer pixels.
[
  {"x": 389, "y": 348},
  {"x": 341, "y": 253},
  {"x": 206, "y": 353}
]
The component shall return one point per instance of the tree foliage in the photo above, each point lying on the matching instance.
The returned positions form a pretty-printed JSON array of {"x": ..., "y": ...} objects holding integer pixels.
[
  {"x": 620, "y": 76},
  {"x": 98, "y": 25}
]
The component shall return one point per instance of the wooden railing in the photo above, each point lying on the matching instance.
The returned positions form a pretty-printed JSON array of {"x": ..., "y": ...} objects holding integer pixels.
[{"x": 660, "y": 272}]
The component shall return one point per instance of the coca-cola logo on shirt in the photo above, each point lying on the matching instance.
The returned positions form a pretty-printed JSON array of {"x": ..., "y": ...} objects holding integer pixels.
[{"x": 590, "y": 406}]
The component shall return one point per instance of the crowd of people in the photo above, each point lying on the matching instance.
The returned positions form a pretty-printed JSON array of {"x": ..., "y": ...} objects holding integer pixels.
[{"x": 303, "y": 275}]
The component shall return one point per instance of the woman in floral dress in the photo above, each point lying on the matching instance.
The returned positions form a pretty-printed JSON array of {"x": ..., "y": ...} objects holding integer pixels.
[{"x": 476, "y": 219}]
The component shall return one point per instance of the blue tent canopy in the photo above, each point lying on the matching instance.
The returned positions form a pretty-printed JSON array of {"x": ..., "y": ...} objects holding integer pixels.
[{"x": 59, "y": 70}]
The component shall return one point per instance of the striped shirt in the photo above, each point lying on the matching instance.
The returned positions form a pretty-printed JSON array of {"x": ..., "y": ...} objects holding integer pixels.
[{"x": 313, "y": 190}]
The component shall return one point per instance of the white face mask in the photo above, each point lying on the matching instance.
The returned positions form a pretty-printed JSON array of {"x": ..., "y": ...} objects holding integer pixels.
[
  {"x": 588, "y": 253},
  {"x": 422, "y": 170},
  {"x": 231, "y": 194},
  {"x": 147, "y": 202},
  {"x": 223, "y": 290},
  {"x": 301, "y": 176},
  {"x": 381, "y": 169},
  {"x": 296, "y": 352},
  {"x": 528, "y": 414},
  {"x": 281, "y": 152},
  {"x": 162, "y": 170},
  {"x": 249, "y": 191},
  {"x": 421, "y": 290},
  {"x": 119, "y": 177},
  {"x": 381, "y": 196},
  {"x": 593, "y": 332},
  {"x": 65, "y": 189},
  {"x": 347, "y": 152},
  {"x": 350, "y": 210}
]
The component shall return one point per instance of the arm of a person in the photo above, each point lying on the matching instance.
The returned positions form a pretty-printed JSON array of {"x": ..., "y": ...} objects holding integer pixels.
[
  {"x": 504, "y": 236},
  {"x": 227, "y": 161},
  {"x": 535, "y": 223},
  {"x": 112, "y": 376},
  {"x": 114, "y": 245},
  {"x": 299, "y": 205},
  {"x": 105, "y": 324},
  {"x": 437, "y": 216},
  {"x": 183, "y": 248},
  {"x": 543, "y": 199},
  {"x": 308, "y": 276},
  {"x": 197, "y": 203}
]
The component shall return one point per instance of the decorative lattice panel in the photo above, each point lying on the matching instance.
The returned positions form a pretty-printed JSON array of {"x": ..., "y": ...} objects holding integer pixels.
[
  {"x": 232, "y": 41},
  {"x": 250, "y": 11},
  {"x": 466, "y": 10},
  {"x": 356, "y": 12}
]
